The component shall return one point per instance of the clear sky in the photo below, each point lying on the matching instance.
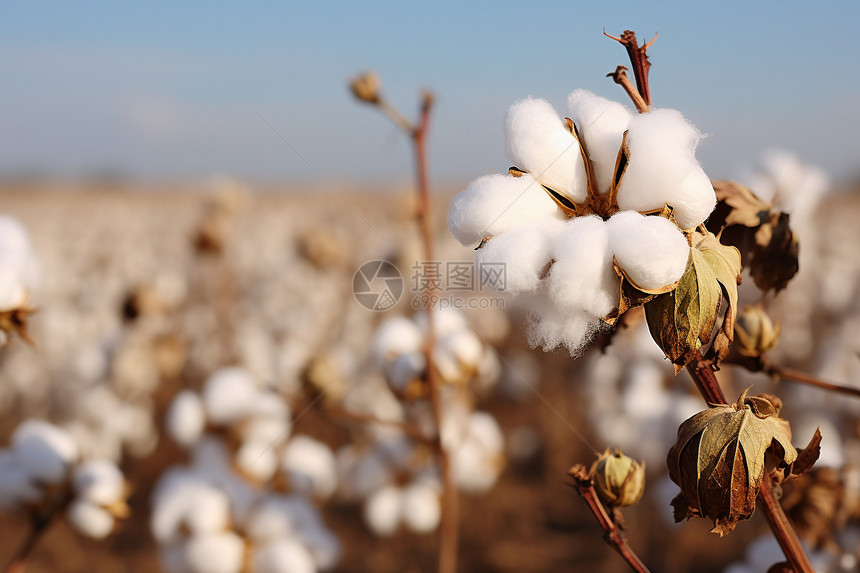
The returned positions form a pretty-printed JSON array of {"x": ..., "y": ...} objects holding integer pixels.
[{"x": 177, "y": 90}]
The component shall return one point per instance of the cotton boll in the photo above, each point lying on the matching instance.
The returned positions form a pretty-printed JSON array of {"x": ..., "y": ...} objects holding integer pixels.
[
  {"x": 396, "y": 336},
  {"x": 282, "y": 556},
  {"x": 324, "y": 546},
  {"x": 272, "y": 431},
  {"x": 186, "y": 502},
  {"x": 215, "y": 553},
  {"x": 582, "y": 277},
  {"x": 420, "y": 508},
  {"x": 445, "y": 321},
  {"x": 44, "y": 450},
  {"x": 651, "y": 250},
  {"x": 229, "y": 395},
  {"x": 90, "y": 520},
  {"x": 540, "y": 143},
  {"x": 524, "y": 253},
  {"x": 19, "y": 268},
  {"x": 99, "y": 482},
  {"x": 663, "y": 169},
  {"x": 16, "y": 486},
  {"x": 185, "y": 418},
  {"x": 601, "y": 124},
  {"x": 257, "y": 460},
  {"x": 483, "y": 429},
  {"x": 550, "y": 328},
  {"x": 473, "y": 471},
  {"x": 405, "y": 369},
  {"x": 311, "y": 466},
  {"x": 494, "y": 204},
  {"x": 382, "y": 511},
  {"x": 466, "y": 348}
]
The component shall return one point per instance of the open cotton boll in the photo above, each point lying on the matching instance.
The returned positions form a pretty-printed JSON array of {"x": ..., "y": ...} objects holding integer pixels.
[
  {"x": 185, "y": 418},
  {"x": 394, "y": 337},
  {"x": 89, "y": 519},
  {"x": 601, "y": 124},
  {"x": 19, "y": 267},
  {"x": 99, "y": 482},
  {"x": 523, "y": 252},
  {"x": 382, "y": 510},
  {"x": 311, "y": 466},
  {"x": 272, "y": 431},
  {"x": 649, "y": 249},
  {"x": 257, "y": 459},
  {"x": 16, "y": 486},
  {"x": 229, "y": 395},
  {"x": 473, "y": 471},
  {"x": 421, "y": 508},
  {"x": 483, "y": 429},
  {"x": 404, "y": 369},
  {"x": 44, "y": 451},
  {"x": 215, "y": 553},
  {"x": 466, "y": 348},
  {"x": 494, "y": 204},
  {"x": 282, "y": 556},
  {"x": 662, "y": 169},
  {"x": 187, "y": 503},
  {"x": 539, "y": 142},
  {"x": 582, "y": 277}
]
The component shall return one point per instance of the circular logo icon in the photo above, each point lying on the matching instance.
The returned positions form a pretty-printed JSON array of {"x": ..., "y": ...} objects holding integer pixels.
[{"x": 377, "y": 285}]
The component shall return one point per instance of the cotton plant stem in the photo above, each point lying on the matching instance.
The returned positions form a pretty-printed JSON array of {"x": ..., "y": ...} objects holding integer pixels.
[
  {"x": 619, "y": 76},
  {"x": 707, "y": 384},
  {"x": 38, "y": 525},
  {"x": 791, "y": 375},
  {"x": 614, "y": 536}
]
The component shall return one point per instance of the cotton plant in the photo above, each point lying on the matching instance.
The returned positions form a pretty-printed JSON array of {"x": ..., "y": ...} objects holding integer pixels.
[
  {"x": 20, "y": 274},
  {"x": 43, "y": 474},
  {"x": 208, "y": 518}
]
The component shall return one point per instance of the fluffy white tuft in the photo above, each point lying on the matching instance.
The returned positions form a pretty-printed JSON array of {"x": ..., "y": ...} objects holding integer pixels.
[
  {"x": 651, "y": 250},
  {"x": 601, "y": 124},
  {"x": 550, "y": 328},
  {"x": 663, "y": 169},
  {"x": 229, "y": 395},
  {"x": 89, "y": 519},
  {"x": 420, "y": 508},
  {"x": 19, "y": 267},
  {"x": 283, "y": 555},
  {"x": 539, "y": 142},
  {"x": 99, "y": 482},
  {"x": 494, "y": 204},
  {"x": 215, "y": 553},
  {"x": 186, "y": 418},
  {"x": 44, "y": 451},
  {"x": 257, "y": 459},
  {"x": 524, "y": 252},
  {"x": 396, "y": 336},
  {"x": 311, "y": 466},
  {"x": 582, "y": 277},
  {"x": 382, "y": 510}
]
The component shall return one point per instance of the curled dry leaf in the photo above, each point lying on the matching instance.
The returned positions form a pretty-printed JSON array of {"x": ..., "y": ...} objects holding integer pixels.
[
  {"x": 720, "y": 459},
  {"x": 683, "y": 320},
  {"x": 768, "y": 246}
]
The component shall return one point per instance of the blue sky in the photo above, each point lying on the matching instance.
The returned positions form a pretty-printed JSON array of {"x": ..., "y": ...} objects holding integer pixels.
[{"x": 167, "y": 91}]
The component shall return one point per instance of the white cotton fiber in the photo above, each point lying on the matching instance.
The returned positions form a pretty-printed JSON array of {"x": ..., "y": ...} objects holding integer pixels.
[
  {"x": 382, "y": 510},
  {"x": 19, "y": 267},
  {"x": 89, "y": 520},
  {"x": 484, "y": 430},
  {"x": 601, "y": 124},
  {"x": 185, "y": 418},
  {"x": 215, "y": 553},
  {"x": 421, "y": 509},
  {"x": 550, "y": 328},
  {"x": 524, "y": 252},
  {"x": 494, "y": 204},
  {"x": 282, "y": 556},
  {"x": 99, "y": 482},
  {"x": 229, "y": 395},
  {"x": 256, "y": 458},
  {"x": 44, "y": 451},
  {"x": 651, "y": 250},
  {"x": 663, "y": 169},
  {"x": 540, "y": 143},
  {"x": 582, "y": 277},
  {"x": 783, "y": 180},
  {"x": 186, "y": 503},
  {"x": 396, "y": 336},
  {"x": 311, "y": 467}
]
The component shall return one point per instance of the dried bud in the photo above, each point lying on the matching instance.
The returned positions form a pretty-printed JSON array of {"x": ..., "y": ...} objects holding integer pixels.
[
  {"x": 720, "y": 458},
  {"x": 365, "y": 87},
  {"x": 755, "y": 333},
  {"x": 619, "y": 480}
]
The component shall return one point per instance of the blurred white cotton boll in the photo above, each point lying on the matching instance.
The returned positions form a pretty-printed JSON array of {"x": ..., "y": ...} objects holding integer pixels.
[
  {"x": 421, "y": 507},
  {"x": 404, "y": 369},
  {"x": 601, "y": 123},
  {"x": 16, "y": 486},
  {"x": 19, "y": 267},
  {"x": 445, "y": 321},
  {"x": 662, "y": 168},
  {"x": 215, "y": 553},
  {"x": 582, "y": 277},
  {"x": 256, "y": 459},
  {"x": 651, "y": 250},
  {"x": 311, "y": 466},
  {"x": 539, "y": 142},
  {"x": 89, "y": 519},
  {"x": 396, "y": 336},
  {"x": 185, "y": 502},
  {"x": 99, "y": 481},
  {"x": 229, "y": 395},
  {"x": 283, "y": 556},
  {"x": 494, "y": 204},
  {"x": 185, "y": 418},
  {"x": 524, "y": 252},
  {"x": 44, "y": 451},
  {"x": 382, "y": 510}
]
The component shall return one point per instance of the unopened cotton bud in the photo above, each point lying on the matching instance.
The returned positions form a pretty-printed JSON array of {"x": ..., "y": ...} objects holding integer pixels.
[
  {"x": 618, "y": 479},
  {"x": 650, "y": 250},
  {"x": 494, "y": 204},
  {"x": 186, "y": 418},
  {"x": 365, "y": 87},
  {"x": 540, "y": 143},
  {"x": 755, "y": 332},
  {"x": 382, "y": 510},
  {"x": 89, "y": 519}
]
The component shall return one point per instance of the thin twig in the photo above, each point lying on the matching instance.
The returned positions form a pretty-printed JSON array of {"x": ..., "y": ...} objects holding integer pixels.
[
  {"x": 638, "y": 59},
  {"x": 707, "y": 384},
  {"x": 619, "y": 76},
  {"x": 791, "y": 375},
  {"x": 408, "y": 429},
  {"x": 614, "y": 536}
]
